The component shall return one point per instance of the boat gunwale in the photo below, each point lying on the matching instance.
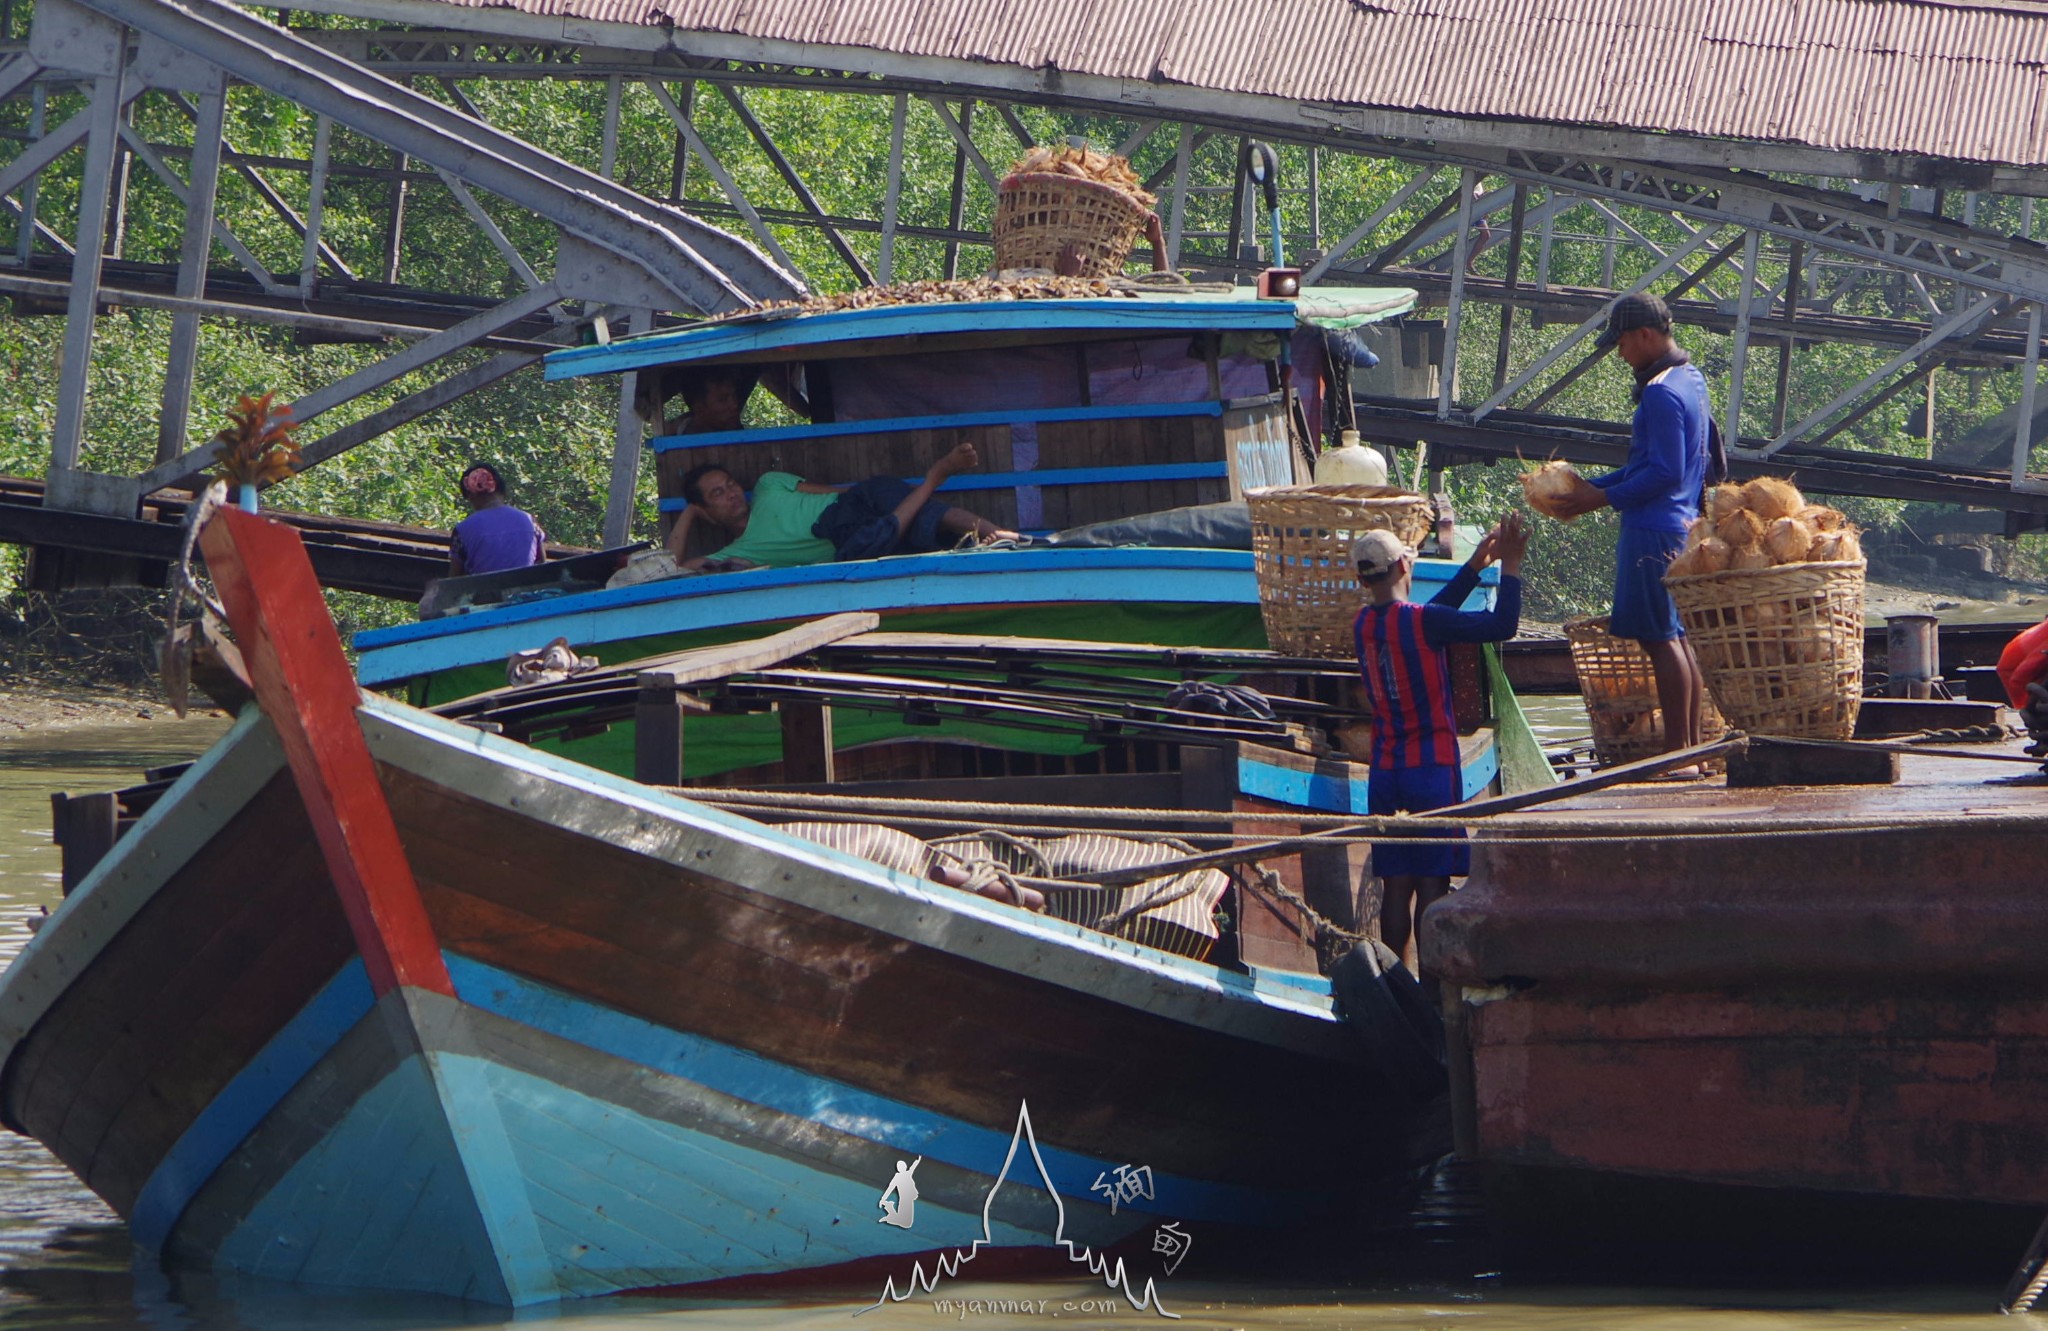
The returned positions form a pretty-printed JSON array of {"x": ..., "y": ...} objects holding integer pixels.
[
  {"x": 925, "y": 913},
  {"x": 774, "y": 330}
]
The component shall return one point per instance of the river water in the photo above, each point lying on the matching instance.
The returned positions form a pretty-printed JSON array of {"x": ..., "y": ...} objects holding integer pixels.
[{"x": 66, "y": 1262}]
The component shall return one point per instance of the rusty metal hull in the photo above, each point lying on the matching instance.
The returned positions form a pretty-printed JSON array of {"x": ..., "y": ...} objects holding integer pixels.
[{"x": 1836, "y": 993}]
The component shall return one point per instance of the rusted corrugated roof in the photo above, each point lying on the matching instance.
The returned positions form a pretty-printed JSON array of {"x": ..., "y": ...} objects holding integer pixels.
[{"x": 1964, "y": 79}]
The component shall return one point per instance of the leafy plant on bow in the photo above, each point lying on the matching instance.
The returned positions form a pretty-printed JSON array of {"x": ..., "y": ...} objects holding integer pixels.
[{"x": 257, "y": 447}]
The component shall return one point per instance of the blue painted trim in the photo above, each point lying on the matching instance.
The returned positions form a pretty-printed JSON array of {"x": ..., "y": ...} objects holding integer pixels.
[
  {"x": 246, "y": 1100},
  {"x": 1302, "y": 790},
  {"x": 669, "y": 443},
  {"x": 1157, "y": 315},
  {"x": 748, "y": 1076},
  {"x": 1125, "y": 574},
  {"x": 1004, "y": 480},
  {"x": 1479, "y": 774},
  {"x": 1333, "y": 794}
]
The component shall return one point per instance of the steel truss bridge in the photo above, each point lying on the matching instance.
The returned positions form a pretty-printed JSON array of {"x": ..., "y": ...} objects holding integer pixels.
[{"x": 1766, "y": 251}]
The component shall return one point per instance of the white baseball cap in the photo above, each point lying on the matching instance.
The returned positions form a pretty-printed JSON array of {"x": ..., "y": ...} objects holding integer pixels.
[{"x": 1377, "y": 552}]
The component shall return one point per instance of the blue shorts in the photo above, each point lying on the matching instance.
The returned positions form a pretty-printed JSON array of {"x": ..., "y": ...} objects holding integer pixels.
[
  {"x": 1642, "y": 608},
  {"x": 861, "y": 523},
  {"x": 1392, "y": 790}
]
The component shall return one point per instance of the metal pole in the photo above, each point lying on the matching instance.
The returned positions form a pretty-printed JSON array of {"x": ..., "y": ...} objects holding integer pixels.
[
  {"x": 394, "y": 223},
  {"x": 608, "y": 153},
  {"x": 2023, "y": 435},
  {"x": 1507, "y": 308},
  {"x": 619, "y": 505},
  {"x": 316, "y": 208},
  {"x": 892, "y": 200},
  {"x": 1177, "y": 215},
  {"x": 957, "y": 209},
  {"x": 39, "y": 108},
  {"x": 117, "y": 195},
  {"x": 1461, "y": 253},
  {"x": 1795, "y": 276},
  {"x": 197, "y": 246},
  {"x": 1549, "y": 235},
  {"x": 679, "y": 174},
  {"x": 95, "y": 182},
  {"x": 1315, "y": 197},
  {"x": 1732, "y": 431}
]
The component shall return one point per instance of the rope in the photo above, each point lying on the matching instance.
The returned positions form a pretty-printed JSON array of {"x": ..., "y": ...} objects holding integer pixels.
[
  {"x": 1913, "y": 746},
  {"x": 1348, "y": 829},
  {"x": 732, "y": 795},
  {"x": 1332, "y": 939},
  {"x": 1023, "y": 849}
]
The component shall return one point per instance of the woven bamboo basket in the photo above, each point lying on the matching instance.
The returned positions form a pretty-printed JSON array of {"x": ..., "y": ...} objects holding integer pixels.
[
  {"x": 1041, "y": 213},
  {"x": 1620, "y": 689},
  {"x": 1782, "y": 647},
  {"x": 1301, "y": 548}
]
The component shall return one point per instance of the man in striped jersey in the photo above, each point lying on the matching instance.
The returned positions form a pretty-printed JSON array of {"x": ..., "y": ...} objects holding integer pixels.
[{"x": 1407, "y": 683}]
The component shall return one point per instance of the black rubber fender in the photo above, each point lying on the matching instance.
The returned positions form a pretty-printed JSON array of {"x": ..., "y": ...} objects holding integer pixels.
[{"x": 1400, "y": 1031}]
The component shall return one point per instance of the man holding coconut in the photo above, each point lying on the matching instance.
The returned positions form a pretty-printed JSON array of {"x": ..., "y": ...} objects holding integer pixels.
[{"x": 1657, "y": 493}]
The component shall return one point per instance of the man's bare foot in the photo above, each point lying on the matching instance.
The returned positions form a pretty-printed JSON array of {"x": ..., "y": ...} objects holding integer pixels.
[{"x": 961, "y": 458}]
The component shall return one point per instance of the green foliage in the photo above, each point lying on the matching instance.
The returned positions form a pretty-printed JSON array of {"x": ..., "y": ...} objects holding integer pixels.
[{"x": 554, "y": 440}]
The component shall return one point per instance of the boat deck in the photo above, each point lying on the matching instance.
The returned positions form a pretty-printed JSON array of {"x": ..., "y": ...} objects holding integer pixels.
[
  {"x": 1695, "y": 884},
  {"x": 1931, "y": 785}
]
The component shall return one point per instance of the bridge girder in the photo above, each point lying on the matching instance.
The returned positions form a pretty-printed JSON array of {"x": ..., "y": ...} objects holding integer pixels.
[{"x": 1739, "y": 218}]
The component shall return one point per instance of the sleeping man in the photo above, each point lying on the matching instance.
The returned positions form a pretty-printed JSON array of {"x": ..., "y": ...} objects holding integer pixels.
[{"x": 791, "y": 521}]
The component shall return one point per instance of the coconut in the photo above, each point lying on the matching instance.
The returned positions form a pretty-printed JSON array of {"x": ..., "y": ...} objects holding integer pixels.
[
  {"x": 1770, "y": 498},
  {"x": 1741, "y": 529},
  {"x": 1750, "y": 556},
  {"x": 1787, "y": 540},
  {"x": 1822, "y": 518},
  {"x": 1834, "y": 545},
  {"x": 1702, "y": 527},
  {"x": 1684, "y": 563},
  {"x": 1723, "y": 500},
  {"x": 1546, "y": 485},
  {"x": 1712, "y": 556}
]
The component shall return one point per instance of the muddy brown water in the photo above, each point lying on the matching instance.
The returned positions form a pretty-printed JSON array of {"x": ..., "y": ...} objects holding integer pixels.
[{"x": 66, "y": 1260}]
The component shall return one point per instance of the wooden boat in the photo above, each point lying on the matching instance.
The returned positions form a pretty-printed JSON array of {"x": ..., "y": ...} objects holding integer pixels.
[
  {"x": 373, "y": 997},
  {"x": 1794, "y": 1029},
  {"x": 1083, "y": 411}
]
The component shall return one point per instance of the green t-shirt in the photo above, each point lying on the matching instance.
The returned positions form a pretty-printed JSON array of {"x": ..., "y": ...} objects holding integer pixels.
[{"x": 779, "y": 524}]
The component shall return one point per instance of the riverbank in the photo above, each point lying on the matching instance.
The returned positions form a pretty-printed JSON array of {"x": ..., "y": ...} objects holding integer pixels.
[{"x": 42, "y": 707}]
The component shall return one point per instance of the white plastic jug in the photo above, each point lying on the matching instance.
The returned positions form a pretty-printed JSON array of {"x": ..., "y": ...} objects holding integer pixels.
[{"x": 1351, "y": 463}]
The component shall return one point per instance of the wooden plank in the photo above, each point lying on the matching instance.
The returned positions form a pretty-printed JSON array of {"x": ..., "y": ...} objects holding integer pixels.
[
  {"x": 714, "y": 663},
  {"x": 658, "y": 735},
  {"x": 1767, "y": 764},
  {"x": 84, "y": 828},
  {"x": 806, "y": 742},
  {"x": 306, "y": 688}
]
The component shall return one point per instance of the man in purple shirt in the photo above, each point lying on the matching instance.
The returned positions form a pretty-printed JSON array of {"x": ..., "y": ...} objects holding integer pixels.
[
  {"x": 1657, "y": 493},
  {"x": 495, "y": 536}
]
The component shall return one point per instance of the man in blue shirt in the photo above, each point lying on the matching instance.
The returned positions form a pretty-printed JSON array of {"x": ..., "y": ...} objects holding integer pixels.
[{"x": 1657, "y": 493}]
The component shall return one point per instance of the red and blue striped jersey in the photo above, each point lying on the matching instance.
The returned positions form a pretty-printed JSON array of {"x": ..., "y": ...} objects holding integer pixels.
[
  {"x": 1408, "y": 684},
  {"x": 1407, "y": 672}
]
